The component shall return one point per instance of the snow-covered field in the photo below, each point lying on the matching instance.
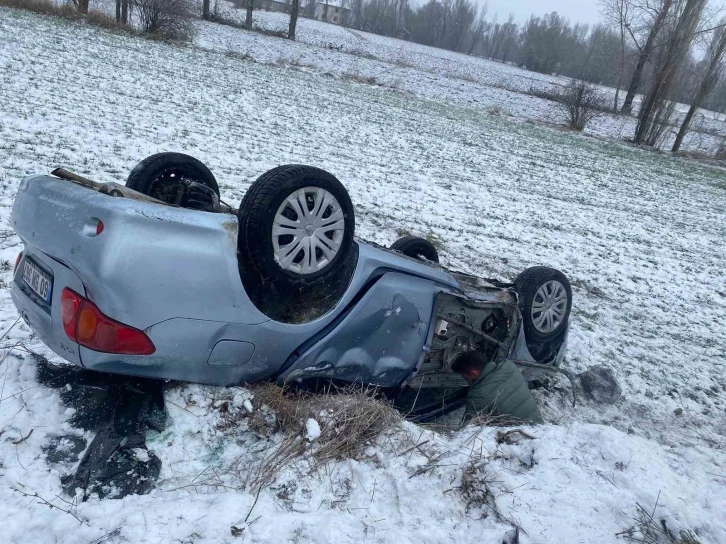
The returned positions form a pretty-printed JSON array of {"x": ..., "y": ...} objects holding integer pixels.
[
  {"x": 430, "y": 73},
  {"x": 640, "y": 234}
]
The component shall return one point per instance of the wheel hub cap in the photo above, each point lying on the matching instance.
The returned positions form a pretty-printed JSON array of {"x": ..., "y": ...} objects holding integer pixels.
[
  {"x": 549, "y": 306},
  {"x": 307, "y": 231}
]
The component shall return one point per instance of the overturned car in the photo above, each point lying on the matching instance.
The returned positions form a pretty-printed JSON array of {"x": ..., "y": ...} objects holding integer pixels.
[{"x": 133, "y": 280}]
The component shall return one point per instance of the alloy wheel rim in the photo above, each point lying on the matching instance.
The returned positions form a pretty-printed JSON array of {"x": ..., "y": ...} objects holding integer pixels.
[
  {"x": 549, "y": 306},
  {"x": 307, "y": 231}
]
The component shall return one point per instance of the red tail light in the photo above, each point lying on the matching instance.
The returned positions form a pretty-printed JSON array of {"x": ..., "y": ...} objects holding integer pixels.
[
  {"x": 70, "y": 304},
  {"x": 86, "y": 325},
  {"x": 17, "y": 262}
]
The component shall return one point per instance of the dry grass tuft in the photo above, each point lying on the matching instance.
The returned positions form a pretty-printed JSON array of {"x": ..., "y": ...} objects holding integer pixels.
[
  {"x": 65, "y": 11},
  {"x": 240, "y": 56},
  {"x": 285, "y": 62},
  {"x": 270, "y": 32},
  {"x": 498, "y": 111},
  {"x": 477, "y": 494},
  {"x": 651, "y": 531},
  {"x": 475, "y": 487},
  {"x": 354, "y": 76},
  {"x": 349, "y": 419},
  {"x": 358, "y": 52},
  {"x": 403, "y": 63},
  {"x": 45, "y": 7},
  {"x": 100, "y": 19}
]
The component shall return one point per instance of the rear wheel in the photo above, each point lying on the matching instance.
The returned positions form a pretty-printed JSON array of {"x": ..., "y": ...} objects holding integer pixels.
[
  {"x": 296, "y": 225},
  {"x": 416, "y": 248},
  {"x": 166, "y": 177},
  {"x": 545, "y": 301}
]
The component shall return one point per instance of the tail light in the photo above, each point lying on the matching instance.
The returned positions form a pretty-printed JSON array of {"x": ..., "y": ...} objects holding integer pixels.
[
  {"x": 86, "y": 325},
  {"x": 17, "y": 262}
]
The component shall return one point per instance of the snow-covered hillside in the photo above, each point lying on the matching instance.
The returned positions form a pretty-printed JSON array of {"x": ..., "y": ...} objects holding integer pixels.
[{"x": 640, "y": 234}]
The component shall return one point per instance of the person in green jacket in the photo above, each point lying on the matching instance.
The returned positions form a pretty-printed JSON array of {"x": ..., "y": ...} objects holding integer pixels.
[{"x": 497, "y": 389}]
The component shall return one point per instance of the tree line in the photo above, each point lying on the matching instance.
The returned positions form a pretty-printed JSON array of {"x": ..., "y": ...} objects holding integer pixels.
[{"x": 668, "y": 50}]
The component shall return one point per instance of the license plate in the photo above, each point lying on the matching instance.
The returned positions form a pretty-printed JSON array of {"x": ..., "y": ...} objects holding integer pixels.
[{"x": 37, "y": 280}]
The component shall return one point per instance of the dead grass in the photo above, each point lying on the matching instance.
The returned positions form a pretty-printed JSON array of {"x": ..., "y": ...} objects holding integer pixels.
[
  {"x": 475, "y": 487},
  {"x": 66, "y": 11},
  {"x": 403, "y": 63},
  {"x": 270, "y": 32},
  {"x": 477, "y": 493},
  {"x": 354, "y": 76},
  {"x": 498, "y": 111},
  {"x": 100, "y": 19},
  {"x": 358, "y": 52},
  {"x": 649, "y": 530},
  {"x": 350, "y": 419},
  {"x": 240, "y": 56},
  {"x": 44, "y": 7},
  {"x": 221, "y": 20},
  {"x": 286, "y": 62}
]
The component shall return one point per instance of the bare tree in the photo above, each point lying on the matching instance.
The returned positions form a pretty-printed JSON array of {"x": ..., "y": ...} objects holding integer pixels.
[
  {"x": 479, "y": 29},
  {"x": 545, "y": 43},
  {"x": 618, "y": 12},
  {"x": 169, "y": 19},
  {"x": 580, "y": 103},
  {"x": 463, "y": 16},
  {"x": 655, "y": 102},
  {"x": 508, "y": 39},
  {"x": 248, "y": 16},
  {"x": 295, "y": 8},
  {"x": 721, "y": 151},
  {"x": 356, "y": 13},
  {"x": 205, "y": 10},
  {"x": 658, "y": 10},
  {"x": 81, "y": 5},
  {"x": 714, "y": 66}
]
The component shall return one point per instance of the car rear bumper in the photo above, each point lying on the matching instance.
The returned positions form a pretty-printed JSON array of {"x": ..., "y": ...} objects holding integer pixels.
[
  {"x": 189, "y": 350},
  {"x": 211, "y": 359},
  {"x": 45, "y": 319}
]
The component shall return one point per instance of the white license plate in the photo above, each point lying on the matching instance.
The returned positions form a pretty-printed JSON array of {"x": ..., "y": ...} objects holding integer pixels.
[{"x": 37, "y": 280}]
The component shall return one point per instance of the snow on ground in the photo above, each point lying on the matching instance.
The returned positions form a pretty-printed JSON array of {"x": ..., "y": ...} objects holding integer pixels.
[
  {"x": 425, "y": 71},
  {"x": 640, "y": 235},
  {"x": 430, "y": 72}
]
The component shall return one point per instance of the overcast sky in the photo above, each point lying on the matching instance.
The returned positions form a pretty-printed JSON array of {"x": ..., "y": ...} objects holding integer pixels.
[{"x": 584, "y": 11}]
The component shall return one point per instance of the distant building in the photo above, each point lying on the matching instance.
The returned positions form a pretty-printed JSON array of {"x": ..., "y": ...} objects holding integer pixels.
[
  {"x": 273, "y": 5},
  {"x": 332, "y": 11},
  {"x": 328, "y": 11},
  {"x": 282, "y": 6}
]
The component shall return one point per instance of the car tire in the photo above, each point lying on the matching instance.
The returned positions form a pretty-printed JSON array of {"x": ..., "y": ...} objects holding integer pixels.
[
  {"x": 156, "y": 176},
  {"x": 545, "y": 301},
  {"x": 416, "y": 248},
  {"x": 285, "y": 247}
]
